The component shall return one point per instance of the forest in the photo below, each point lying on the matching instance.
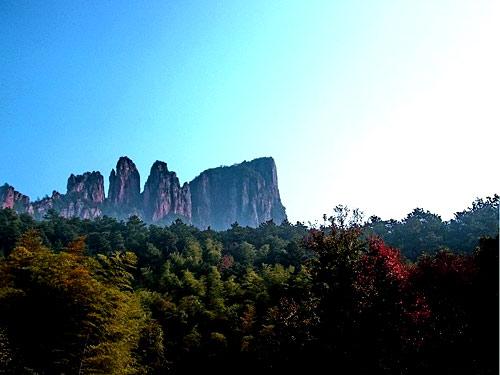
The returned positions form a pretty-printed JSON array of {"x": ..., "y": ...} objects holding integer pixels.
[{"x": 350, "y": 296}]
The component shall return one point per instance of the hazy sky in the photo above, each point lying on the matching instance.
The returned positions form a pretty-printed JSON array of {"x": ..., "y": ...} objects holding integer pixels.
[{"x": 381, "y": 105}]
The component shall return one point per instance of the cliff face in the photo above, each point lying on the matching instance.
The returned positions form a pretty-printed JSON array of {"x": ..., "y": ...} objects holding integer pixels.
[
  {"x": 246, "y": 193},
  {"x": 84, "y": 196},
  {"x": 88, "y": 187},
  {"x": 164, "y": 198},
  {"x": 10, "y": 198},
  {"x": 124, "y": 184},
  {"x": 54, "y": 202}
]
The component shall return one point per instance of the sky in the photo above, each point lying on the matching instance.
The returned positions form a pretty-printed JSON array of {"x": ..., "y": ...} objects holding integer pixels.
[{"x": 380, "y": 105}]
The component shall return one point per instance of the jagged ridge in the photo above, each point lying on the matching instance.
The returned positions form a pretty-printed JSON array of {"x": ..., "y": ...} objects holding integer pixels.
[{"x": 246, "y": 193}]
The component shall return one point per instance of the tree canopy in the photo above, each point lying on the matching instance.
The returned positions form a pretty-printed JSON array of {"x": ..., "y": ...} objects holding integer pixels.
[{"x": 121, "y": 297}]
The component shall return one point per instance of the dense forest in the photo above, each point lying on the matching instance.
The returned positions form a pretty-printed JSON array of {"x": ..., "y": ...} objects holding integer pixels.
[{"x": 377, "y": 297}]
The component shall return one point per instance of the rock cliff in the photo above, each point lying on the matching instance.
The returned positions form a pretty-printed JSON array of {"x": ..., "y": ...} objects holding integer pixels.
[
  {"x": 43, "y": 206},
  {"x": 164, "y": 198},
  {"x": 246, "y": 193},
  {"x": 124, "y": 184},
  {"x": 88, "y": 187},
  {"x": 84, "y": 196},
  {"x": 11, "y": 198}
]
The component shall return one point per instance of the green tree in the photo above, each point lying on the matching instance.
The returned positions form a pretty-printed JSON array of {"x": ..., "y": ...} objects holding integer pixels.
[
  {"x": 212, "y": 252},
  {"x": 337, "y": 250},
  {"x": 66, "y": 313}
]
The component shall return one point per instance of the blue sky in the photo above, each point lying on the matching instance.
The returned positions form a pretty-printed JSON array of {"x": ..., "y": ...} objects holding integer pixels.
[{"x": 381, "y": 105}]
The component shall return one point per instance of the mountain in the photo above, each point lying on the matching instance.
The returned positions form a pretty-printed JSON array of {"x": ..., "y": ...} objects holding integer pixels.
[
  {"x": 124, "y": 185},
  {"x": 163, "y": 197},
  {"x": 246, "y": 193},
  {"x": 11, "y": 198},
  {"x": 85, "y": 196}
]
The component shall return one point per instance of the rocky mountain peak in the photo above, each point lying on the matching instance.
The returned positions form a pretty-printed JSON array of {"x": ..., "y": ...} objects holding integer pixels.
[
  {"x": 124, "y": 184},
  {"x": 246, "y": 193},
  {"x": 159, "y": 166},
  {"x": 11, "y": 198},
  {"x": 84, "y": 197},
  {"x": 88, "y": 186},
  {"x": 163, "y": 196}
]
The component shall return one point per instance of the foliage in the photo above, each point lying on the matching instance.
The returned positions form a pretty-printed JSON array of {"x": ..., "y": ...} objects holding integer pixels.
[
  {"x": 424, "y": 232},
  {"x": 113, "y": 297},
  {"x": 67, "y": 313}
]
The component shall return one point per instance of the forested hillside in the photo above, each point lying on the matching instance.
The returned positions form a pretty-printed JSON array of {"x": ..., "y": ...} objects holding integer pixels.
[
  {"x": 119, "y": 297},
  {"x": 423, "y": 231}
]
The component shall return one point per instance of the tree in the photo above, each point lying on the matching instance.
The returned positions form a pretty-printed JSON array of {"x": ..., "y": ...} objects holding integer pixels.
[
  {"x": 447, "y": 282},
  {"x": 468, "y": 226},
  {"x": 212, "y": 253},
  {"x": 67, "y": 313},
  {"x": 245, "y": 254},
  {"x": 337, "y": 249},
  {"x": 390, "y": 313}
]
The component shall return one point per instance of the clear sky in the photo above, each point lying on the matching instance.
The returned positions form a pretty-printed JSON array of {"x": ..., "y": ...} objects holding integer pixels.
[{"x": 381, "y": 105}]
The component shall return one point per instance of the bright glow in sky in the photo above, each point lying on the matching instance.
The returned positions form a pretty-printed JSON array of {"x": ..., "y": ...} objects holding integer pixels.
[{"x": 381, "y": 105}]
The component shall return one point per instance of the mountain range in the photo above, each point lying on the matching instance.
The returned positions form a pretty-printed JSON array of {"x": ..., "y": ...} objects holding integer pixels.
[{"x": 246, "y": 193}]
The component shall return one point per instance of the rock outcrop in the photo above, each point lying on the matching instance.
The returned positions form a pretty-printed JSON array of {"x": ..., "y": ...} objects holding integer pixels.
[
  {"x": 43, "y": 206},
  {"x": 246, "y": 193},
  {"x": 84, "y": 196},
  {"x": 87, "y": 187},
  {"x": 11, "y": 198},
  {"x": 124, "y": 185},
  {"x": 164, "y": 198}
]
